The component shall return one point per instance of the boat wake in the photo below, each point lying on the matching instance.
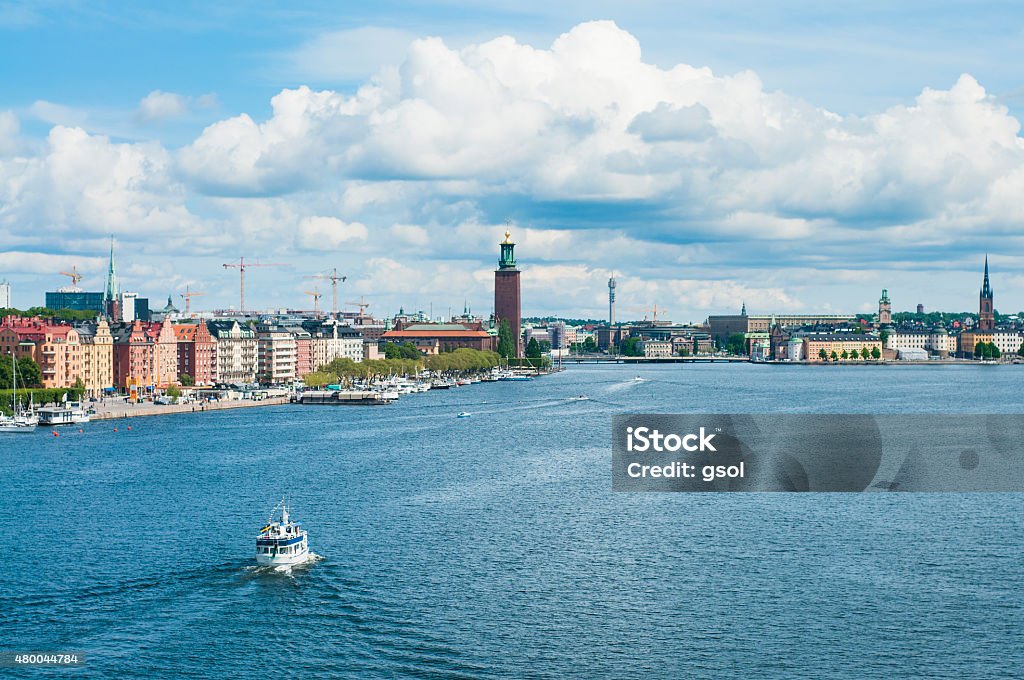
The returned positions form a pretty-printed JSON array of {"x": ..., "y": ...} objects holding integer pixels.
[{"x": 256, "y": 570}]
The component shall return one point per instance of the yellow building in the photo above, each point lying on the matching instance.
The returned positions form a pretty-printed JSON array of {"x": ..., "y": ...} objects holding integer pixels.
[
  {"x": 851, "y": 343},
  {"x": 97, "y": 356}
]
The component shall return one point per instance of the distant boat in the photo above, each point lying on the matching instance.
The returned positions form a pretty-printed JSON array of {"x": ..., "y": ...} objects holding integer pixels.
[
  {"x": 464, "y": 415},
  {"x": 639, "y": 379},
  {"x": 281, "y": 542},
  {"x": 582, "y": 397}
]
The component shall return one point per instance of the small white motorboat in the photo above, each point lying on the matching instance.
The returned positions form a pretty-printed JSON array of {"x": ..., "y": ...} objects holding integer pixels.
[{"x": 464, "y": 415}]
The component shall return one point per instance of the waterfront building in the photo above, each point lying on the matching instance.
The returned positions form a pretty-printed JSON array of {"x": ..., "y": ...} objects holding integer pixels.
[
  {"x": 986, "y": 310},
  {"x": 133, "y": 355},
  {"x": 722, "y": 326},
  {"x": 443, "y": 337},
  {"x": 97, "y": 356},
  {"x": 908, "y": 338},
  {"x": 795, "y": 349},
  {"x": 165, "y": 353},
  {"x": 330, "y": 340},
  {"x": 941, "y": 342},
  {"x": 608, "y": 338},
  {"x": 54, "y": 347},
  {"x": 653, "y": 349},
  {"x": 562, "y": 335},
  {"x": 538, "y": 334},
  {"x": 507, "y": 303},
  {"x": 1007, "y": 340},
  {"x": 236, "y": 351},
  {"x": 197, "y": 353},
  {"x": 884, "y": 309},
  {"x": 814, "y": 343},
  {"x": 276, "y": 352},
  {"x": 303, "y": 351}
]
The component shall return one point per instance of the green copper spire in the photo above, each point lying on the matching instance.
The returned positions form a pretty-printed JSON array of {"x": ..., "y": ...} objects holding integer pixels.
[{"x": 111, "y": 292}]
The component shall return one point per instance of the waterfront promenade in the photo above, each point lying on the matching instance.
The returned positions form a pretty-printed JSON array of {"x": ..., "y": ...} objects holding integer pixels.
[{"x": 119, "y": 409}]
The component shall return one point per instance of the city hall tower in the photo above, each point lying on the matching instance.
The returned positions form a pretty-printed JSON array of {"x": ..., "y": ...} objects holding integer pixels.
[{"x": 506, "y": 291}]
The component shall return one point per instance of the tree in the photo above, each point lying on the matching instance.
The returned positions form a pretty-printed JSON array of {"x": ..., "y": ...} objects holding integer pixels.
[
  {"x": 835, "y": 357},
  {"x": 173, "y": 391},
  {"x": 845, "y": 355},
  {"x": 29, "y": 374},
  {"x": 630, "y": 347},
  {"x": 506, "y": 343},
  {"x": 533, "y": 349},
  {"x": 865, "y": 353},
  {"x": 319, "y": 379},
  {"x": 876, "y": 353},
  {"x": 187, "y": 380},
  {"x": 545, "y": 346},
  {"x": 79, "y": 384},
  {"x": 822, "y": 354},
  {"x": 979, "y": 350},
  {"x": 736, "y": 344},
  {"x": 1021, "y": 350},
  {"x": 405, "y": 350},
  {"x": 696, "y": 347},
  {"x": 589, "y": 345},
  {"x": 683, "y": 352}
]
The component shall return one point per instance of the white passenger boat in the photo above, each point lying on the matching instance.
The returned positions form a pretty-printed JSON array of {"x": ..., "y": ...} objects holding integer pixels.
[
  {"x": 69, "y": 414},
  {"x": 281, "y": 543}
]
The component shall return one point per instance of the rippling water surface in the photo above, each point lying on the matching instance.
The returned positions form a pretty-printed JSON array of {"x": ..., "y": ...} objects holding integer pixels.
[{"x": 493, "y": 546}]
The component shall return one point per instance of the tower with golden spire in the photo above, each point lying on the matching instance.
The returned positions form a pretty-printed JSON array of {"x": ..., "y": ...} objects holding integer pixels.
[{"x": 506, "y": 291}]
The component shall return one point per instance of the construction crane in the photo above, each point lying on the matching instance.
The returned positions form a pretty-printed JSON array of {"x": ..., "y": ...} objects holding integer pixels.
[
  {"x": 362, "y": 304},
  {"x": 241, "y": 266},
  {"x": 316, "y": 301},
  {"x": 334, "y": 278},
  {"x": 654, "y": 312},
  {"x": 187, "y": 296},
  {"x": 74, "y": 276}
]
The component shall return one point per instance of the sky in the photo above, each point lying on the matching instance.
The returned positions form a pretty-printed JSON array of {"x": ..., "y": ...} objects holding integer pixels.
[{"x": 792, "y": 156}]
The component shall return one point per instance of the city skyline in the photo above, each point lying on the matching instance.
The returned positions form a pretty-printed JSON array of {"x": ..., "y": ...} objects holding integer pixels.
[{"x": 702, "y": 181}]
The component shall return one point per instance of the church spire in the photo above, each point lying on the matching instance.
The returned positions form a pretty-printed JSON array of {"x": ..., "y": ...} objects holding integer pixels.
[
  {"x": 111, "y": 292},
  {"x": 986, "y": 288}
]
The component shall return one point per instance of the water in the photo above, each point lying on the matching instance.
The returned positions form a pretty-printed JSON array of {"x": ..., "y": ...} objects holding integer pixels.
[{"x": 492, "y": 545}]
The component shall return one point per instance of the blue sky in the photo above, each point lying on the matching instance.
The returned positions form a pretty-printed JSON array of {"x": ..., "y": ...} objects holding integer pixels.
[{"x": 850, "y": 180}]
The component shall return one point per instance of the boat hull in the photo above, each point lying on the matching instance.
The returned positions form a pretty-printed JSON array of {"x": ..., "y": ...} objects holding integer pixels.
[{"x": 282, "y": 560}]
